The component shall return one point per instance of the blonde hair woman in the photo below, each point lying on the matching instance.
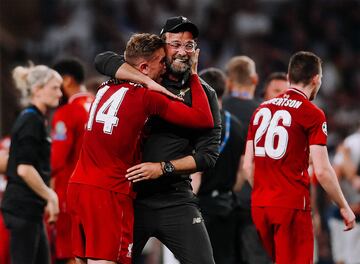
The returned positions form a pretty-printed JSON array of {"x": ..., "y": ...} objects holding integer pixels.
[{"x": 28, "y": 168}]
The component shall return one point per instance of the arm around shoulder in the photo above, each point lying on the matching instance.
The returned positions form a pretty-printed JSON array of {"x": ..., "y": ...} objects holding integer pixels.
[{"x": 108, "y": 63}]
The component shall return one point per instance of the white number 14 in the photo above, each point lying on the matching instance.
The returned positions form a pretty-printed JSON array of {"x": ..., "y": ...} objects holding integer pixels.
[{"x": 107, "y": 112}]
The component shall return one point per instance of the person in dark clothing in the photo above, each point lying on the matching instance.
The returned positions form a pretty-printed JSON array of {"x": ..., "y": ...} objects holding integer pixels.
[
  {"x": 28, "y": 169},
  {"x": 166, "y": 208},
  {"x": 242, "y": 80},
  {"x": 215, "y": 191}
]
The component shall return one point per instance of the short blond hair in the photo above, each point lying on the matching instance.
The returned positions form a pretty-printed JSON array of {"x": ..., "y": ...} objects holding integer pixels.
[
  {"x": 142, "y": 46},
  {"x": 27, "y": 78},
  {"x": 241, "y": 69}
]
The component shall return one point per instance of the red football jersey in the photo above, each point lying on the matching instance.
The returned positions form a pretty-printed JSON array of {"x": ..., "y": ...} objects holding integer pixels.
[
  {"x": 282, "y": 129},
  {"x": 67, "y": 130},
  {"x": 116, "y": 119}
]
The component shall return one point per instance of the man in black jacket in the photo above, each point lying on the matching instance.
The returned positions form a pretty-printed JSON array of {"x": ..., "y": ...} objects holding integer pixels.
[
  {"x": 165, "y": 206},
  {"x": 215, "y": 185}
]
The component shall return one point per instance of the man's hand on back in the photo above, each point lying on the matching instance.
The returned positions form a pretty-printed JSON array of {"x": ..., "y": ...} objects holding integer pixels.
[
  {"x": 154, "y": 86},
  {"x": 144, "y": 171}
]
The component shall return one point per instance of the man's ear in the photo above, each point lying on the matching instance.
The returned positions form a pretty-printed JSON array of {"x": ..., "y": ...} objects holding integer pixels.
[
  {"x": 144, "y": 68},
  {"x": 316, "y": 79},
  {"x": 67, "y": 79},
  {"x": 229, "y": 84},
  {"x": 255, "y": 79}
]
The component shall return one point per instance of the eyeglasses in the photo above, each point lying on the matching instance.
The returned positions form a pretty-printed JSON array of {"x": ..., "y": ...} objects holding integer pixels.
[{"x": 188, "y": 46}]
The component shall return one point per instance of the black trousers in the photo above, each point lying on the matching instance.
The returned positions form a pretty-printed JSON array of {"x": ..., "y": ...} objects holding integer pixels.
[
  {"x": 181, "y": 228},
  {"x": 28, "y": 241},
  {"x": 221, "y": 229}
]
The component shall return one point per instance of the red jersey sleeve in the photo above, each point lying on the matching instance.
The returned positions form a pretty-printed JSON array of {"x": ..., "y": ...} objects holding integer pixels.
[
  {"x": 197, "y": 116},
  {"x": 317, "y": 130},
  {"x": 250, "y": 134}
]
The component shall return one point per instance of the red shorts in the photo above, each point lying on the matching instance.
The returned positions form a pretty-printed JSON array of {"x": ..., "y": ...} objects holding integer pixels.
[
  {"x": 102, "y": 223},
  {"x": 286, "y": 234}
]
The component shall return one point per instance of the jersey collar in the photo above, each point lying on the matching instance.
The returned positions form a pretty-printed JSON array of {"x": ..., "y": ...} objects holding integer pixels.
[{"x": 298, "y": 91}]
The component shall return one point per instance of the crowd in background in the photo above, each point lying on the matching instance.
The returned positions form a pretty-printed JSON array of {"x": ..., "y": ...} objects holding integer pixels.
[{"x": 268, "y": 31}]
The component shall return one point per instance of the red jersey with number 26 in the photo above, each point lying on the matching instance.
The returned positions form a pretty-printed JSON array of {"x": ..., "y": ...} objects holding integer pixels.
[
  {"x": 282, "y": 129},
  {"x": 117, "y": 117}
]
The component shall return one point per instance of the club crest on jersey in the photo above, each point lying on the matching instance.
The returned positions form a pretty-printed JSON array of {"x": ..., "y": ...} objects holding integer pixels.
[
  {"x": 60, "y": 131},
  {"x": 324, "y": 128},
  {"x": 129, "y": 250}
]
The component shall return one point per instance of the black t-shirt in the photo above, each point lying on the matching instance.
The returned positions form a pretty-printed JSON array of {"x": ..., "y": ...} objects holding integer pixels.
[
  {"x": 165, "y": 141},
  {"x": 243, "y": 110},
  {"x": 222, "y": 178},
  {"x": 30, "y": 144},
  {"x": 215, "y": 192}
]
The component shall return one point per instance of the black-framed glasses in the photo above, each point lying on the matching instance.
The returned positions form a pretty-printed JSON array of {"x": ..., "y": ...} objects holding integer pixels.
[{"x": 189, "y": 46}]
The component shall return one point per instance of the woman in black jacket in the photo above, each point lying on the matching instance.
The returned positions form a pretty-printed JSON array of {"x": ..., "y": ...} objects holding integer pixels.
[{"x": 28, "y": 169}]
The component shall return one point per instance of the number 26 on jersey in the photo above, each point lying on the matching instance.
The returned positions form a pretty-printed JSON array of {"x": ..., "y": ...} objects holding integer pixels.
[{"x": 270, "y": 128}]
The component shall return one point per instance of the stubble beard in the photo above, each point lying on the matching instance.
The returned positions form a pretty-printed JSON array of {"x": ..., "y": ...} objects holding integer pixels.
[{"x": 179, "y": 68}]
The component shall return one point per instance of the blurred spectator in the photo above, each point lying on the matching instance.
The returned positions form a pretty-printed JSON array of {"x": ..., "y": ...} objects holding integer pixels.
[
  {"x": 346, "y": 245},
  {"x": 87, "y": 27},
  {"x": 67, "y": 129},
  {"x": 92, "y": 84},
  {"x": 214, "y": 188},
  {"x": 275, "y": 84},
  {"x": 27, "y": 193},
  {"x": 242, "y": 80},
  {"x": 4, "y": 233}
]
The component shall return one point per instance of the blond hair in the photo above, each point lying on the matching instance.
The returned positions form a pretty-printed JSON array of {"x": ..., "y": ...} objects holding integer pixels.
[
  {"x": 27, "y": 78},
  {"x": 241, "y": 69}
]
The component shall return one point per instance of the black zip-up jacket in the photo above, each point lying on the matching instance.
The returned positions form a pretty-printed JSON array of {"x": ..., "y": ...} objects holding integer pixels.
[
  {"x": 165, "y": 141},
  {"x": 30, "y": 144}
]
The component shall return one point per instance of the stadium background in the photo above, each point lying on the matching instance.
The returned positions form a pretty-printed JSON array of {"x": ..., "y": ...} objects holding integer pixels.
[{"x": 268, "y": 31}]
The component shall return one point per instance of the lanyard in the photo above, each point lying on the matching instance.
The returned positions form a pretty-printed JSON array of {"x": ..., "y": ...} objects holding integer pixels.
[
  {"x": 28, "y": 110},
  {"x": 227, "y": 132}
]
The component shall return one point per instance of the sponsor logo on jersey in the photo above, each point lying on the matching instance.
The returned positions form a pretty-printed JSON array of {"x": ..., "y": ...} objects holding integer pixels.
[
  {"x": 197, "y": 220},
  {"x": 324, "y": 128},
  {"x": 60, "y": 131}
]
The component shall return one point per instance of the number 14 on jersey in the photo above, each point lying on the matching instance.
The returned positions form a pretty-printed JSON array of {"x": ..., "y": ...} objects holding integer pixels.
[{"x": 108, "y": 111}]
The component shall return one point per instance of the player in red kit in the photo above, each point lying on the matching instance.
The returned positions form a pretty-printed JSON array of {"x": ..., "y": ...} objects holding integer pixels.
[
  {"x": 68, "y": 126},
  {"x": 99, "y": 195},
  {"x": 282, "y": 133}
]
